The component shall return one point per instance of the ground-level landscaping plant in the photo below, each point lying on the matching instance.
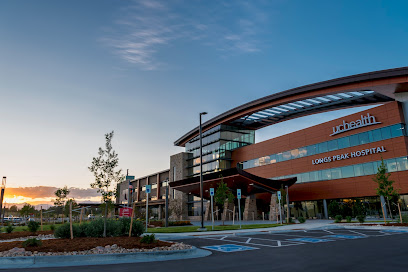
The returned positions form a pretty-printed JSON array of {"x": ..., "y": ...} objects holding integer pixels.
[
  {"x": 33, "y": 226},
  {"x": 32, "y": 242},
  {"x": 301, "y": 219},
  {"x": 361, "y": 218},
  {"x": 96, "y": 229},
  {"x": 348, "y": 219},
  {"x": 9, "y": 228},
  {"x": 338, "y": 218},
  {"x": 148, "y": 239}
]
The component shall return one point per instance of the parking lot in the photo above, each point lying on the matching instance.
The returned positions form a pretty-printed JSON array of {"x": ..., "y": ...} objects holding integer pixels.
[
  {"x": 297, "y": 250},
  {"x": 249, "y": 241}
]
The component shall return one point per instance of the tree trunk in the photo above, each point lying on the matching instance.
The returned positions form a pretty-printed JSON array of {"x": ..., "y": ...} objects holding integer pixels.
[
  {"x": 389, "y": 208},
  {"x": 105, "y": 219}
]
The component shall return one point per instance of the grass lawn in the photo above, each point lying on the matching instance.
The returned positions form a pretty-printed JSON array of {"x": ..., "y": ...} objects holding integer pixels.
[{"x": 216, "y": 228}]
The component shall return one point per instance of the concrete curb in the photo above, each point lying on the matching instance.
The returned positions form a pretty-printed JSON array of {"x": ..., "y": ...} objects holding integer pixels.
[{"x": 100, "y": 259}]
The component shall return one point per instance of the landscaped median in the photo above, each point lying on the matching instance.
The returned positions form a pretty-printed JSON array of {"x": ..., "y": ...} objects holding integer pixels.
[
  {"x": 209, "y": 228},
  {"x": 88, "y": 247}
]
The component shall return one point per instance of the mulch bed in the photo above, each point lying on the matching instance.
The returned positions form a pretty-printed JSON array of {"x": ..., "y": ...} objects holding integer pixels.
[
  {"x": 84, "y": 243},
  {"x": 19, "y": 234}
]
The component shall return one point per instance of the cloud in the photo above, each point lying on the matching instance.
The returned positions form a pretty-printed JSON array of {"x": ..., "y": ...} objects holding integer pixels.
[
  {"x": 45, "y": 192},
  {"x": 147, "y": 27}
]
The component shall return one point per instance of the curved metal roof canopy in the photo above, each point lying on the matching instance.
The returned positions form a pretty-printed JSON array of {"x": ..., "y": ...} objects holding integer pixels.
[
  {"x": 357, "y": 90},
  {"x": 235, "y": 178}
]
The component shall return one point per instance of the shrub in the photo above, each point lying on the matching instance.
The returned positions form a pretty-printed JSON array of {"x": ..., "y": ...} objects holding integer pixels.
[
  {"x": 334, "y": 208},
  {"x": 148, "y": 239},
  {"x": 290, "y": 220},
  {"x": 33, "y": 226},
  {"x": 52, "y": 227},
  {"x": 338, "y": 218},
  {"x": 180, "y": 223},
  {"x": 348, "y": 219},
  {"x": 301, "y": 219},
  {"x": 9, "y": 228},
  {"x": 64, "y": 231},
  {"x": 405, "y": 218},
  {"x": 33, "y": 242},
  {"x": 124, "y": 224},
  {"x": 361, "y": 218},
  {"x": 95, "y": 228}
]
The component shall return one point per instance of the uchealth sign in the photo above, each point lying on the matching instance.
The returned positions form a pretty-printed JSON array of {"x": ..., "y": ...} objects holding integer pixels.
[
  {"x": 344, "y": 156},
  {"x": 365, "y": 120}
]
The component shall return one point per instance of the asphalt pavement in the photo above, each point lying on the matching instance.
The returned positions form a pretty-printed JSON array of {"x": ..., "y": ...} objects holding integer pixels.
[{"x": 292, "y": 250}]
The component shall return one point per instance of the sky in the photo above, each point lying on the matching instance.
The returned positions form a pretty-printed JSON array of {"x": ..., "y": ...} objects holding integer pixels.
[{"x": 72, "y": 71}]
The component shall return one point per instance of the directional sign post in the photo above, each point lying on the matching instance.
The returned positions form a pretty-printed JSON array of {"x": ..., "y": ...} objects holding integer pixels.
[
  {"x": 239, "y": 205},
  {"x": 212, "y": 207},
  {"x": 148, "y": 189},
  {"x": 280, "y": 211}
]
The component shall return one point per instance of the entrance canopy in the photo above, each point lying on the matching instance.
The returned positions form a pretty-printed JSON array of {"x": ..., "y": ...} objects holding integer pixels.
[{"x": 235, "y": 179}]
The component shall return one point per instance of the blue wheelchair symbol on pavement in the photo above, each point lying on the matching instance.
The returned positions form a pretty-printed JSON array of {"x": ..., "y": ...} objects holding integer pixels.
[
  {"x": 229, "y": 248},
  {"x": 346, "y": 236},
  {"x": 310, "y": 240}
]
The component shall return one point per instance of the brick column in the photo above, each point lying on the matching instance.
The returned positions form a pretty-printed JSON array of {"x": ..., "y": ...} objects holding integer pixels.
[{"x": 158, "y": 186}]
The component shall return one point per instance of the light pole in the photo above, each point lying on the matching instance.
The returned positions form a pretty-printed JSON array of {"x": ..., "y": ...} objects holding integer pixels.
[
  {"x": 3, "y": 188},
  {"x": 287, "y": 203},
  {"x": 201, "y": 174}
]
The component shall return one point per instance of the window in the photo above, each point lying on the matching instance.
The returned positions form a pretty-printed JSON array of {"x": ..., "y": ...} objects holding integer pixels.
[
  {"x": 302, "y": 152},
  {"x": 305, "y": 177},
  {"x": 402, "y": 164},
  {"x": 336, "y": 173},
  {"x": 368, "y": 168},
  {"x": 347, "y": 171},
  {"x": 358, "y": 170},
  {"x": 386, "y": 133},
  {"x": 322, "y": 147},
  {"x": 377, "y": 135},
  {"x": 397, "y": 130},
  {"x": 363, "y": 138},
  {"x": 391, "y": 165},
  {"x": 343, "y": 142},
  {"x": 326, "y": 174},
  {"x": 332, "y": 145},
  {"x": 354, "y": 140},
  {"x": 311, "y": 150},
  {"x": 286, "y": 155},
  {"x": 294, "y": 153},
  {"x": 315, "y": 176}
]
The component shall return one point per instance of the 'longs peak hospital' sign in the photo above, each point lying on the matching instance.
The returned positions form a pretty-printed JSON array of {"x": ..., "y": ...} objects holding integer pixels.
[{"x": 364, "y": 121}]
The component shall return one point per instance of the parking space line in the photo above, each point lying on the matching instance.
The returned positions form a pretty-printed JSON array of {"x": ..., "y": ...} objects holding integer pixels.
[
  {"x": 279, "y": 243},
  {"x": 256, "y": 244},
  {"x": 249, "y": 240},
  {"x": 357, "y": 232},
  {"x": 328, "y": 231}
]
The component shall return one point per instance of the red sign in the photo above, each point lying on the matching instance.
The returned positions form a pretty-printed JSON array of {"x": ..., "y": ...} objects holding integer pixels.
[{"x": 126, "y": 212}]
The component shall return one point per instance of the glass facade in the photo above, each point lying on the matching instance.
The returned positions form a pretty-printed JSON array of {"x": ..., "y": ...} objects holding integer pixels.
[
  {"x": 218, "y": 142},
  {"x": 371, "y": 136},
  {"x": 356, "y": 170}
]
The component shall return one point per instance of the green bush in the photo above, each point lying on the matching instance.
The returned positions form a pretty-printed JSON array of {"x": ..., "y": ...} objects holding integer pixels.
[
  {"x": 148, "y": 239},
  {"x": 9, "y": 228},
  {"x": 33, "y": 226},
  {"x": 301, "y": 219},
  {"x": 405, "y": 218},
  {"x": 338, "y": 218},
  {"x": 334, "y": 209},
  {"x": 180, "y": 223},
  {"x": 64, "y": 231},
  {"x": 348, "y": 219},
  {"x": 32, "y": 242},
  {"x": 124, "y": 224},
  {"x": 361, "y": 218},
  {"x": 95, "y": 228},
  {"x": 52, "y": 227}
]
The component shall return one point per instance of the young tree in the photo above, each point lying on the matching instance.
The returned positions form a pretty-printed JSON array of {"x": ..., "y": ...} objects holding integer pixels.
[
  {"x": 66, "y": 207},
  {"x": 103, "y": 168},
  {"x": 26, "y": 210},
  {"x": 385, "y": 187},
  {"x": 223, "y": 193},
  {"x": 61, "y": 195},
  {"x": 176, "y": 208}
]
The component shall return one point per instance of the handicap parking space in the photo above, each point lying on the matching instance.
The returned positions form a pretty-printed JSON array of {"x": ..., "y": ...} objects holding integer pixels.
[{"x": 241, "y": 242}]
